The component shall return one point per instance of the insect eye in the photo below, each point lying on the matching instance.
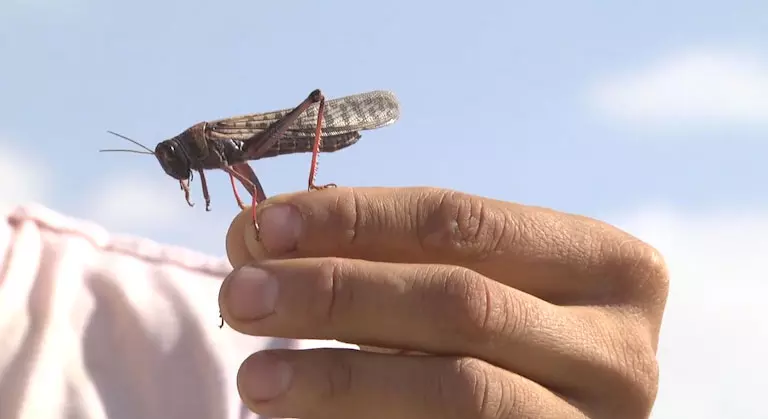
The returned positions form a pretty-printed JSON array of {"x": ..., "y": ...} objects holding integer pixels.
[{"x": 169, "y": 152}]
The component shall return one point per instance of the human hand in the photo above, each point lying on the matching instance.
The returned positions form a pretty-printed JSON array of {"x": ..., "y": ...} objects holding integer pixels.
[{"x": 523, "y": 312}]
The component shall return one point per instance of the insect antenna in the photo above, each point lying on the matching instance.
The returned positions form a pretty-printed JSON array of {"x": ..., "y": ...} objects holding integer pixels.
[{"x": 148, "y": 150}]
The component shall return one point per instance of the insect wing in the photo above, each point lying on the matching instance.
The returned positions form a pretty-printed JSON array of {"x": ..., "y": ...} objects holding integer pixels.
[{"x": 348, "y": 114}]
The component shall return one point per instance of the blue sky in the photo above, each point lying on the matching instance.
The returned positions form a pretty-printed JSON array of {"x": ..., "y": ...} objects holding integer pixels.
[
  {"x": 492, "y": 95},
  {"x": 523, "y": 101}
]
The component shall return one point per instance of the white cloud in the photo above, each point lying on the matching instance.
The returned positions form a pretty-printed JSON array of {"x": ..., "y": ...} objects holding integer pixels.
[
  {"x": 702, "y": 86},
  {"x": 131, "y": 201},
  {"x": 22, "y": 177},
  {"x": 152, "y": 205},
  {"x": 715, "y": 331}
]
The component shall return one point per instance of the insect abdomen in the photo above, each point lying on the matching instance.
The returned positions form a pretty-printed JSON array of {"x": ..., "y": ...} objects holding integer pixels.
[{"x": 303, "y": 144}]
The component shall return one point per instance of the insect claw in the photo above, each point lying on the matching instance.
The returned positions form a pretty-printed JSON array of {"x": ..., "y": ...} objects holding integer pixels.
[
  {"x": 257, "y": 231},
  {"x": 221, "y": 324}
]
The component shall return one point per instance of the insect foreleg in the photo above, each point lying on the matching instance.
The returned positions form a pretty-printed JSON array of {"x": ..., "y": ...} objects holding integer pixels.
[
  {"x": 184, "y": 184},
  {"x": 206, "y": 194}
]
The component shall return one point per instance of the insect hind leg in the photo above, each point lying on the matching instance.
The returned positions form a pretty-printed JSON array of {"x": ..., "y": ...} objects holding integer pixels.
[
  {"x": 316, "y": 151},
  {"x": 239, "y": 200},
  {"x": 247, "y": 177}
]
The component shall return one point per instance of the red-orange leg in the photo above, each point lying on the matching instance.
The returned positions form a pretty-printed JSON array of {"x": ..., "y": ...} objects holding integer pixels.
[
  {"x": 254, "y": 196},
  {"x": 316, "y": 150},
  {"x": 234, "y": 190}
]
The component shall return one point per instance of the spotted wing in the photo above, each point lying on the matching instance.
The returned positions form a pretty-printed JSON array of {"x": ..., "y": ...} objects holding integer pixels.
[{"x": 342, "y": 117}]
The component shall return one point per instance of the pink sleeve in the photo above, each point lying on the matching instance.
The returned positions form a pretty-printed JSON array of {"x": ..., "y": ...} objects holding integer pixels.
[{"x": 101, "y": 326}]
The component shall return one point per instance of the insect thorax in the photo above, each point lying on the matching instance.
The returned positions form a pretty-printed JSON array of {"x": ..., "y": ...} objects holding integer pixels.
[{"x": 193, "y": 139}]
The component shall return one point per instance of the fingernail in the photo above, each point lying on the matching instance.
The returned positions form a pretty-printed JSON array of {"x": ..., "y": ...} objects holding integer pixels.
[
  {"x": 252, "y": 293},
  {"x": 280, "y": 226},
  {"x": 264, "y": 377}
]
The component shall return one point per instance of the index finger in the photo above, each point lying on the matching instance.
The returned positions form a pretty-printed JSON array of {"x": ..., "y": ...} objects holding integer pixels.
[{"x": 543, "y": 252}]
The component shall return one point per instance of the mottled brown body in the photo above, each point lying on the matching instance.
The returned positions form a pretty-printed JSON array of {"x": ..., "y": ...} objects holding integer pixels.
[
  {"x": 209, "y": 152},
  {"x": 228, "y": 144}
]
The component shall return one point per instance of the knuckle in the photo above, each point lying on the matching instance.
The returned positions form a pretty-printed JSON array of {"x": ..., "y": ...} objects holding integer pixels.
[
  {"x": 464, "y": 306},
  {"x": 644, "y": 270},
  {"x": 356, "y": 212},
  {"x": 336, "y": 298},
  {"x": 466, "y": 386},
  {"x": 463, "y": 223},
  {"x": 340, "y": 378},
  {"x": 346, "y": 213},
  {"x": 638, "y": 376},
  {"x": 630, "y": 375},
  {"x": 643, "y": 260}
]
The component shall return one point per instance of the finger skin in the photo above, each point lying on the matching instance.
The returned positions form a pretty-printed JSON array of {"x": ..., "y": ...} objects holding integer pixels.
[
  {"x": 562, "y": 258},
  {"x": 241, "y": 244},
  {"x": 338, "y": 383},
  {"x": 442, "y": 309},
  {"x": 613, "y": 283}
]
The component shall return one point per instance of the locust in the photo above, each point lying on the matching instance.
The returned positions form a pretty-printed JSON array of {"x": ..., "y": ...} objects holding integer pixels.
[{"x": 229, "y": 144}]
